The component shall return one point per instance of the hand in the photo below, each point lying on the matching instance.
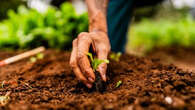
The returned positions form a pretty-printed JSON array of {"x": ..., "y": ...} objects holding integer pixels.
[{"x": 79, "y": 60}]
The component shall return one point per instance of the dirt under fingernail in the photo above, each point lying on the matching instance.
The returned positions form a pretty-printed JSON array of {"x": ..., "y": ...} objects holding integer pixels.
[
  {"x": 89, "y": 85},
  {"x": 91, "y": 79}
]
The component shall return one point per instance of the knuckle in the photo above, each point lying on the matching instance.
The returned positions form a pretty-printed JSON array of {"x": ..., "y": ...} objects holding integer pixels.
[
  {"x": 88, "y": 71},
  {"x": 82, "y": 34},
  {"x": 73, "y": 64},
  {"x": 104, "y": 66},
  {"x": 104, "y": 49},
  {"x": 85, "y": 37},
  {"x": 74, "y": 42},
  {"x": 80, "y": 56}
]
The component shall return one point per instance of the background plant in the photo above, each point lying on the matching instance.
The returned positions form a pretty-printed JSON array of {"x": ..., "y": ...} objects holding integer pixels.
[
  {"x": 150, "y": 34},
  {"x": 55, "y": 28}
]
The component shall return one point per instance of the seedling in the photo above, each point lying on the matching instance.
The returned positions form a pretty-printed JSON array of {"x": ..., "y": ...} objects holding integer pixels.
[
  {"x": 33, "y": 59},
  {"x": 95, "y": 62},
  {"x": 118, "y": 83},
  {"x": 115, "y": 56},
  {"x": 40, "y": 56},
  {"x": 5, "y": 99}
]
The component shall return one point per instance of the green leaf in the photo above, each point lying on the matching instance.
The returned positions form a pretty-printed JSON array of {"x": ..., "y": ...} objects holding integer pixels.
[
  {"x": 96, "y": 62},
  {"x": 115, "y": 56},
  {"x": 33, "y": 59},
  {"x": 40, "y": 56},
  {"x": 118, "y": 83},
  {"x": 90, "y": 56}
]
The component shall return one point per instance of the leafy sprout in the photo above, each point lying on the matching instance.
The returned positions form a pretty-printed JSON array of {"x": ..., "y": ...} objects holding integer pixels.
[
  {"x": 40, "y": 56},
  {"x": 33, "y": 59},
  {"x": 115, "y": 56},
  {"x": 95, "y": 62},
  {"x": 118, "y": 83}
]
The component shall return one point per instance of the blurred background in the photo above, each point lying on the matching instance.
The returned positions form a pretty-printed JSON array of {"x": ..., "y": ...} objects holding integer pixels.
[{"x": 159, "y": 29}]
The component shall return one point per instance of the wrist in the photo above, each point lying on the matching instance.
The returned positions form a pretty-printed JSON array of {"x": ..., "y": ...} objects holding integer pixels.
[{"x": 97, "y": 22}]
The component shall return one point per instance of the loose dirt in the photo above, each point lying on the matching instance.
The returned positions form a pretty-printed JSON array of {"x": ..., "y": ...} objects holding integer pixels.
[
  {"x": 49, "y": 84},
  {"x": 183, "y": 58}
]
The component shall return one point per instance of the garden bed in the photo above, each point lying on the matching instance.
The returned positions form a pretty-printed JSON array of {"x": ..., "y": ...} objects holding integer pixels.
[
  {"x": 183, "y": 58},
  {"x": 49, "y": 83}
]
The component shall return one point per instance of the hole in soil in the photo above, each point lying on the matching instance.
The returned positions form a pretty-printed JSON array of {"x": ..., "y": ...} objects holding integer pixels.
[
  {"x": 131, "y": 100},
  {"x": 79, "y": 87},
  {"x": 145, "y": 104}
]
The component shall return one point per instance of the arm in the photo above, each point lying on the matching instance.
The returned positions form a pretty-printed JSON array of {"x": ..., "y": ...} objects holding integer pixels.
[
  {"x": 97, "y": 37},
  {"x": 97, "y": 14}
]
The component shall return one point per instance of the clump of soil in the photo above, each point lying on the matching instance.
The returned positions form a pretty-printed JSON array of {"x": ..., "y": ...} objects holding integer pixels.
[{"x": 50, "y": 84}]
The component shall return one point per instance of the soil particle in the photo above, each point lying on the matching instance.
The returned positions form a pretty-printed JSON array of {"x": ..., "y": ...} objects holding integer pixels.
[{"x": 49, "y": 84}]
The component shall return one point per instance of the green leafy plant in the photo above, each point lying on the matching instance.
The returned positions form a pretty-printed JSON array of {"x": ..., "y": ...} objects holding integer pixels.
[
  {"x": 162, "y": 33},
  {"x": 95, "y": 62},
  {"x": 55, "y": 28},
  {"x": 115, "y": 56},
  {"x": 118, "y": 83}
]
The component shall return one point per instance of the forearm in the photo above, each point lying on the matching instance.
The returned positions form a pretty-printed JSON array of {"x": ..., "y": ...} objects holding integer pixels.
[{"x": 97, "y": 14}]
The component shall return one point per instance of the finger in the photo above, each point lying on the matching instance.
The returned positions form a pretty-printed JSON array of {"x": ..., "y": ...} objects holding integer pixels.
[
  {"x": 81, "y": 77},
  {"x": 76, "y": 69},
  {"x": 102, "y": 54},
  {"x": 84, "y": 42}
]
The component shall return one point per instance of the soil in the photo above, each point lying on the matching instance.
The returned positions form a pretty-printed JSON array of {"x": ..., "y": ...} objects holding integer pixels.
[
  {"x": 181, "y": 57},
  {"x": 49, "y": 84}
]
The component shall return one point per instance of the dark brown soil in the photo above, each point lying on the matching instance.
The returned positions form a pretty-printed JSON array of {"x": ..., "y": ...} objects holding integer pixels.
[
  {"x": 181, "y": 57},
  {"x": 49, "y": 84}
]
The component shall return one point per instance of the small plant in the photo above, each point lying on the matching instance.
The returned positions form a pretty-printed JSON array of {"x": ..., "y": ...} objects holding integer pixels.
[
  {"x": 115, "y": 56},
  {"x": 33, "y": 59},
  {"x": 118, "y": 83},
  {"x": 95, "y": 62},
  {"x": 40, "y": 56},
  {"x": 99, "y": 83}
]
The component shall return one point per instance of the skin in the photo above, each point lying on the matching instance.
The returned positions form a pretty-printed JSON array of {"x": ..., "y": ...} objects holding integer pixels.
[{"x": 97, "y": 37}]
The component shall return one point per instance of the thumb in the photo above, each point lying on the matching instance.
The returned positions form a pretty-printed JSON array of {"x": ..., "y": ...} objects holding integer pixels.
[
  {"x": 102, "y": 70},
  {"x": 102, "y": 67}
]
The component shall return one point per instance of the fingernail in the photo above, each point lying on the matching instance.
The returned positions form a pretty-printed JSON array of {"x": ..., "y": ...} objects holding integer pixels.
[
  {"x": 89, "y": 85},
  {"x": 103, "y": 74},
  {"x": 91, "y": 79},
  {"x": 104, "y": 77}
]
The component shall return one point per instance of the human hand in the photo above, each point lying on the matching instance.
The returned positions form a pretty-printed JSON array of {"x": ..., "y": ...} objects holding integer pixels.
[{"x": 79, "y": 60}]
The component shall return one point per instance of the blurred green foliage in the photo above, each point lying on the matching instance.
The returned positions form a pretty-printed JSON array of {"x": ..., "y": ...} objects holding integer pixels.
[
  {"x": 55, "y": 28},
  {"x": 5, "y": 5},
  {"x": 150, "y": 34}
]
